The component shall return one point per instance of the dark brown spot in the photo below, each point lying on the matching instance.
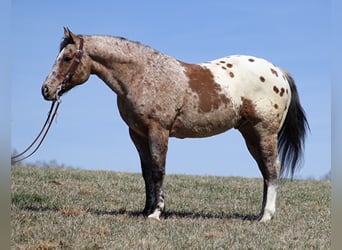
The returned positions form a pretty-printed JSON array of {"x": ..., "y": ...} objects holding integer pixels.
[
  {"x": 247, "y": 111},
  {"x": 274, "y": 72},
  {"x": 222, "y": 61},
  {"x": 229, "y": 65},
  {"x": 158, "y": 107},
  {"x": 223, "y": 67},
  {"x": 201, "y": 81},
  {"x": 282, "y": 90},
  {"x": 276, "y": 106},
  {"x": 251, "y": 60},
  {"x": 287, "y": 91},
  {"x": 231, "y": 74},
  {"x": 275, "y": 89},
  {"x": 262, "y": 78}
]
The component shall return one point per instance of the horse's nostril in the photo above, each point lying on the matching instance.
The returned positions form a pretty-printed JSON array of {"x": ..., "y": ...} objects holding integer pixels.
[{"x": 45, "y": 91}]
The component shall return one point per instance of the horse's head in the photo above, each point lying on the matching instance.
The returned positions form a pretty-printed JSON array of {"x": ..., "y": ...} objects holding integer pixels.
[{"x": 71, "y": 68}]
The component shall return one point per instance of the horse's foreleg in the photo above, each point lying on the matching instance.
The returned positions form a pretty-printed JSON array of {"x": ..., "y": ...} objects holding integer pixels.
[
  {"x": 263, "y": 147},
  {"x": 158, "y": 144},
  {"x": 152, "y": 151},
  {"x": 142, "y": 145}
]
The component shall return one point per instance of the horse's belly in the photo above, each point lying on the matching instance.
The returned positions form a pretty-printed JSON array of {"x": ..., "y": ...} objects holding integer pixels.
[{"x": 197, "y": 125}]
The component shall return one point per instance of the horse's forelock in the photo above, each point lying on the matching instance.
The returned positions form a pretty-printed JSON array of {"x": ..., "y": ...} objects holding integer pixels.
[{"x": 65, "y": 42}]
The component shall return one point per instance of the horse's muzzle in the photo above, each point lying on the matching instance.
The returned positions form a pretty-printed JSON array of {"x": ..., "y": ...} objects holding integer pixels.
[{"x": 46, "y": 93}]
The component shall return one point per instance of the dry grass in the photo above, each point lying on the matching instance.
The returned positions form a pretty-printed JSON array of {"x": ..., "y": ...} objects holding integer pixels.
[{"x": 56, "y": 208}]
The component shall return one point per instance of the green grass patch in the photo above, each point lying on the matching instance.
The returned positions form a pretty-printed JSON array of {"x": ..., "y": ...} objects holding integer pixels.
[{"x": 57, "y": 208}]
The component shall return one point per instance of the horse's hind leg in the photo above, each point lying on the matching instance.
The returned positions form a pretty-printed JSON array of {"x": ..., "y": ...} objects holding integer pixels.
[{"x": 262, "y": 144}]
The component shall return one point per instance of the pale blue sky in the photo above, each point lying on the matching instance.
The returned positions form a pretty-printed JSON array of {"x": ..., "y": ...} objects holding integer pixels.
[{"x": 89, "y": 132}]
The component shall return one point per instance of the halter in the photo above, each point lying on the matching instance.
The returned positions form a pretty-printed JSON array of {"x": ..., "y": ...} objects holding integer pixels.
[{"x": 78, "y": 56}]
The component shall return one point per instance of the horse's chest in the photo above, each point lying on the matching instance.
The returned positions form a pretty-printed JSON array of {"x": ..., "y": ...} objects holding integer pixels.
[
  {"x": 131, "y": 117},
  {"x": 139, "y": 112}
]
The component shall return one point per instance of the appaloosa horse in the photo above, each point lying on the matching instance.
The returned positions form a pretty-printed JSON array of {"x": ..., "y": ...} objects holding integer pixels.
[{"x": 161, "y": 97}]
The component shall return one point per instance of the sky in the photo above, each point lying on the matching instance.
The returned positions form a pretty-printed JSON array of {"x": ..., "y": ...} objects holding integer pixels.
[{"x": 89, "y": 132}]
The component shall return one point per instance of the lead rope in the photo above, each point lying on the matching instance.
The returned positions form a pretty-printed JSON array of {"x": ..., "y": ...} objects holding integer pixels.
[{"x": 51, "y": 116}]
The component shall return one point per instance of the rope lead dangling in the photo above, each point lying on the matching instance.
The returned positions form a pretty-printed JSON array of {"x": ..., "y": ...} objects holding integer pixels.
[{"x": 51, "y": 116}]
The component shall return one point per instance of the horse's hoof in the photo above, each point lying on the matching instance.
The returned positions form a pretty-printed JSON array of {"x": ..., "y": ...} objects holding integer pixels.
[
  {"x": 265, "y": 217},
  {"x": 155, "y": 215}
]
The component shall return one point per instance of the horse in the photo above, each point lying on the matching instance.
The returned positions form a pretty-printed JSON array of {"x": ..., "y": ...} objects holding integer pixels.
[{"x": 159, "y": 97}]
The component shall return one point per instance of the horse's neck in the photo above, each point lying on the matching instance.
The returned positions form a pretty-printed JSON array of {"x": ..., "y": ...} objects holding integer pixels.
[{"x": 119, "y": 62}]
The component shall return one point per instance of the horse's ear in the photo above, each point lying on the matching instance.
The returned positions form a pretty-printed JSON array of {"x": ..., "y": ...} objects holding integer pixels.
[
  {"x": 69, "y": 34},
  {"x": 66, "y": 32}
]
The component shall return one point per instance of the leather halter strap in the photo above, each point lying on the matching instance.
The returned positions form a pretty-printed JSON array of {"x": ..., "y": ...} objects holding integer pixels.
[{"x": 78, "y": 56}]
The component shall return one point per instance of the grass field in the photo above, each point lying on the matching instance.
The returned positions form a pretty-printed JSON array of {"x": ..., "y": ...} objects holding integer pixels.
[{"x": 57, "y": 208}]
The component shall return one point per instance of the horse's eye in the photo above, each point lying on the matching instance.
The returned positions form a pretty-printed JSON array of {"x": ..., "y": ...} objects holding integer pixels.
[{"x": 67, "y": 59}]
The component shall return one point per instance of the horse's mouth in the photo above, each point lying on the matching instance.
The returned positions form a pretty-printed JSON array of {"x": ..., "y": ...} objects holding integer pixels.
[{"x": 59, "y": 92}]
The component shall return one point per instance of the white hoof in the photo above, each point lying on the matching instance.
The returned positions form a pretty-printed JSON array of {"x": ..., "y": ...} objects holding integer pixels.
[
  {"x": 265, "y": 217},
  {"x": 155, "y": 215}
]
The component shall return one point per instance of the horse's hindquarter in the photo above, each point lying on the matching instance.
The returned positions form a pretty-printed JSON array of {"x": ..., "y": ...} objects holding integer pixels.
[
  {"x": 258, "y": 89},
  {"x": 226, "y": 90}
]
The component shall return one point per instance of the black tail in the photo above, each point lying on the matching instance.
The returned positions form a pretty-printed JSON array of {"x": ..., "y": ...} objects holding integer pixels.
[{"x": 292, "y": 135}]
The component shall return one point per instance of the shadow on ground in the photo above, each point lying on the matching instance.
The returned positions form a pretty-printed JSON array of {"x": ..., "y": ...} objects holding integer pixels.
[{"x": 166, "y": 215}]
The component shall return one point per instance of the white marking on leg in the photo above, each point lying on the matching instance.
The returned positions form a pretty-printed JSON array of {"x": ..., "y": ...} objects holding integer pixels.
[
  {"x": 160, "y": 206},
  {"x": 161, "y": 203},
  {"x": 155, "y": 215},
  {"x": 270, "y": 206}
]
